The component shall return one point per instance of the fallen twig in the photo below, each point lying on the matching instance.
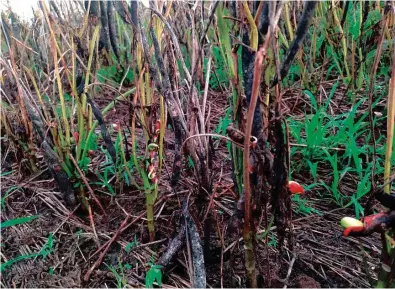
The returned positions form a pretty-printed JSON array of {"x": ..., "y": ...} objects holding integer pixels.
[
  {"x": 199, "y": 270},
  {"x": 291, "y": 265},
  {"x": 123, "y": 229},
  {"x": 174, "y": 247},
  {"x": 100, "y": 259}
]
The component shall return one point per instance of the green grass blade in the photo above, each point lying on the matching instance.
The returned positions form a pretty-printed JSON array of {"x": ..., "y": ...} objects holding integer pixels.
[{"x": 17, "y": 221}]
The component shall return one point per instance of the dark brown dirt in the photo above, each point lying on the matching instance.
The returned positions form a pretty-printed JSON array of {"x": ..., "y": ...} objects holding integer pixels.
[{"x": 304, "y": 281}]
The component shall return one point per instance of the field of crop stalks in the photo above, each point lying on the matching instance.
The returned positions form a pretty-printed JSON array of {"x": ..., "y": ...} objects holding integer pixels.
[{"x": 198, "y": 144}]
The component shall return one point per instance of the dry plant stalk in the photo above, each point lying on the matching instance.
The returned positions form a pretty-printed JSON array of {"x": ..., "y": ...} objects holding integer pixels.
[
  {"x": 388, "y": 251},
  {"x": 390, "y": 126},
  {"x": 370, "y": 95}
]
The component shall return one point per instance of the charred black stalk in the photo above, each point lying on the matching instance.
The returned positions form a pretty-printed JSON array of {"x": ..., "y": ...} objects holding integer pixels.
[
  {"x": 103, "y": 128},
  {"x": 301, "y": 32},
  {"x": 281, "y": 203},
  {"x": 178, "y": 136},
  {"x": 104, "y": 34},
  {"x": 210, "y": 19},
  {"x": 387, "y": 200},
  {"x": 123, "y": 13},
  {"x": 232, "y": 6},
  {"x": 159, "y": 59},
  {"x": 199, "y": 280},
  {"x": 133, "y": 13},
  {"x": 99, "y": 117},
  {"x": 125, "y": 140},
  {"x": 112, "y": 29},
  {"x": 179, "y": 133},
  {"x": 166, "y": 87},
  {"x": 51, "y": 158},
  {"x": 365, "y": 14},
  {"x": 254, "y": 127},
  {"x": 61, "y": 178},
  {"x": 94, "y": 8},
  {"x": 207, "y": 238},
  {"x": 174, "y": 247},
  {"x": 175, "y": 43},
  {"x": 94, "y": 18},
  {"x": 81, "y": 53},
  {"x": 248, "y": 59},
  {"x": 264, "y": 21},
  {"x": 199, "y": 270},
  {"x": 147, "y": 55},
  {"x": 187, "y": 226},
  {"x": 211, "y": 152}
]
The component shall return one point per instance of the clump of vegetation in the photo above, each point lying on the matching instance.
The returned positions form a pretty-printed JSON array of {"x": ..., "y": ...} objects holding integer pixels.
[{"x": 196, "y": 144}]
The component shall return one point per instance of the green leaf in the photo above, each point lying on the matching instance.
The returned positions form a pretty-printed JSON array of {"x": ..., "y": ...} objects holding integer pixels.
[
  {"x": 358, "y": 207},
  {"x": 67, "y": 97},
  {"x": 312, "y": 98},
  {"x": 48, "y": 247},
  {"x": 273, "y": 241},
  {"x": 3, "y": 174},
  {"x": 154, "y": 274},
  {"x": 92, "y": 143},
  {"x": 331, "y": 94},
  {"x": 224, "y": 39},
  {"x": 83, "y": 163},
  {"x": 130, "y": 245},
  {"x": 9, "y": 263},
  {"x": 190, "y": 162},
  {"x": 79, "y": 232},
  {"x": 45, "y": 251},
  {"x": 224, "y": 123},
  {"x": 17, "y": 221},
  {"x": 302, "y": 206},
  {"x": 6, "y": 194},
  {"x": 313, "y": 169}
]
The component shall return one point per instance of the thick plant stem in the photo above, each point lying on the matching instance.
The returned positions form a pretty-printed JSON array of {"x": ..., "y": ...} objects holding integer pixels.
[
  {"x": 150, "y": 215},
  {"x": 385, "y": 276},
  {"x": 301, "y": 32},
  {"x": 248, "y": 231}
]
